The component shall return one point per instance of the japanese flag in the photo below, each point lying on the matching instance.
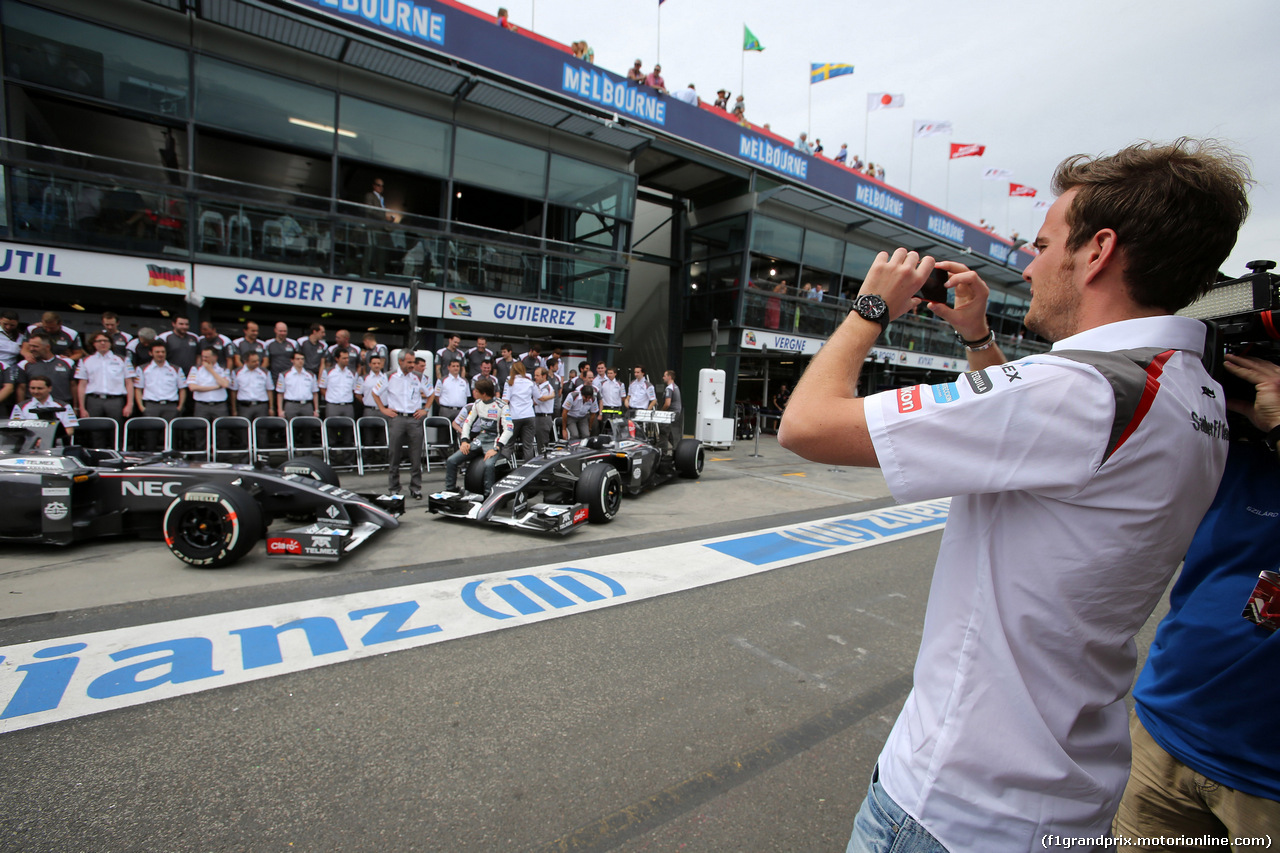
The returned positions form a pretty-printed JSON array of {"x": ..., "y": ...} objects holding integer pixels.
[{"x": 884, "y": 101}]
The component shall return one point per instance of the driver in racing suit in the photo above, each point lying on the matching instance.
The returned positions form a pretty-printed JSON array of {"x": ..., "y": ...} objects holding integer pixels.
[{"x": 490, "y": 422}]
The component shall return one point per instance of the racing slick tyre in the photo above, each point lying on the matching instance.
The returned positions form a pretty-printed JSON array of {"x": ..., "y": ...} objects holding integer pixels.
[
  {"x": 316, "y": 469},
  {"x": 473, "y": 477},
  {"x": 600, "y": 488},
  {"x": 689, "y": 458},
  {"x": 310, "y": 466},
  {"x": 212, "y": 525}
]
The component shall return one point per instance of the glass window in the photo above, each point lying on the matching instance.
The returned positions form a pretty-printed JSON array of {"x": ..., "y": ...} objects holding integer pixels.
[
  {"x": 771, "y": 237},
  {"x": 380, "y": 134},
  {"x": 76, "y": 56},
  {"x": 597, "y": 189},
  {"x": 825, "y": 253},
  {"x": 500, "y": 164},
  {"x": 857, "y": 260},
  {"x": 263, "y": 105},
  {"x": 716, "y": 238}
]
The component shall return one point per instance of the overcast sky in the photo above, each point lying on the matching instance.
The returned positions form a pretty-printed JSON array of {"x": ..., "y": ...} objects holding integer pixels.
[{"x": 1034, "y": 82}]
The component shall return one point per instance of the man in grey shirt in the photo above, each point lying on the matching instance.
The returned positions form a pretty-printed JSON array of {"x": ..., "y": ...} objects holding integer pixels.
[{"x": 671, "y": 433}]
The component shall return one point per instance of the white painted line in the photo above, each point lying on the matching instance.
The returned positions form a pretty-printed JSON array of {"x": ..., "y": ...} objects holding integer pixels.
[{"x": 59, "y": 679}]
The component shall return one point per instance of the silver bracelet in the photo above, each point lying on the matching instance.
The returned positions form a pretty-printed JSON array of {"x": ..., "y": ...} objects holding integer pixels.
[{"x": 980, "y": 344}]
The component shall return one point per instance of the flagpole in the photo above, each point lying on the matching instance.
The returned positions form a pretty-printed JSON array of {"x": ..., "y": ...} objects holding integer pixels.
[
  {"x": 911, "y": 162},
  {"x": 742, "y": 78},
  {"x": 947, "y": 205},
  {"x": 866, "y": 135},
  {"x": 658, "y": 59},
  {"x": 809, "y": 124}
]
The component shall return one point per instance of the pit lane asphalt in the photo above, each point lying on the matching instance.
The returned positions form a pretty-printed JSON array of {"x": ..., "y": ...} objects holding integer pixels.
[{"x": 742, "y": 716}]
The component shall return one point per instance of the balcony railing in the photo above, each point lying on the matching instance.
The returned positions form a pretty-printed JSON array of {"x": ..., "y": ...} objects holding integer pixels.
[{"x": 151, "y": 210}]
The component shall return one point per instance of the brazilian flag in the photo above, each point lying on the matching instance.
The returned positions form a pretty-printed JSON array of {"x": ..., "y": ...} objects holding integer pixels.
[{"x": 749, "y": 40}]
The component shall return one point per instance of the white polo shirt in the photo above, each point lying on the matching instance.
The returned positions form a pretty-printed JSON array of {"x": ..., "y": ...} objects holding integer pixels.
[
  {"x": 519, "y": 396},
  {"x": 547, "y": 406},
  {"x": 251, "y": 385},
  {"x": 201, "y": 375},
  {"x": 339, "y": 386},
  {"x": 103, "y": 373},
  {"x": 31, "y": 410},
  {"x": 641, "y": 393},
  {"x": 297, "y": 386},
  {"x": 453, "y": 391},
  {"x": 402, "y": 393},
  {"x": 159, "y": 383},
  {"x": 369, "y": 385},
  {"x": 610, "y": 393},
  {"x": 1079, "y": 477}
]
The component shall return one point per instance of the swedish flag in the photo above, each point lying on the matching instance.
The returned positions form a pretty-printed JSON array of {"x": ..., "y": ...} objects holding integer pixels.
[{"x": 819, "y": 71}]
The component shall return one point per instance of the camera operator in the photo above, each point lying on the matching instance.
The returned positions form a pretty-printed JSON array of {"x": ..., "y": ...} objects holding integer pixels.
[
  {"x": 1205, "y": 751},
  {"x": 1076, "y": 483}
]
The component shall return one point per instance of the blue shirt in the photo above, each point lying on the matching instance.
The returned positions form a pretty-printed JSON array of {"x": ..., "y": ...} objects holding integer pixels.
[{"x": 1210, "y": 689}]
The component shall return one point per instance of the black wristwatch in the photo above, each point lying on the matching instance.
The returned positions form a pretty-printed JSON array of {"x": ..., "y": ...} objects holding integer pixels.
[
  {"x": 873, "y": 308},
  {"x": 1272, "y": 439}
]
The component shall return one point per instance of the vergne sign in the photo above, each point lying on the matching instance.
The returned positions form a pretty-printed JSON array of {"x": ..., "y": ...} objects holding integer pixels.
[{"x": 65, "y": 677}]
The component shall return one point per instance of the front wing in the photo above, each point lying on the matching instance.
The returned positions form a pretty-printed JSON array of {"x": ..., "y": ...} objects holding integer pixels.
[{"x": 538, "y": 517}]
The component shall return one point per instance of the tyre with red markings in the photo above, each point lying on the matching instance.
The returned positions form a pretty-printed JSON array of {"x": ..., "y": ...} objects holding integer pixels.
[
  {"x": 600, "y": 488},
  {"x": 211, "y": 525}
]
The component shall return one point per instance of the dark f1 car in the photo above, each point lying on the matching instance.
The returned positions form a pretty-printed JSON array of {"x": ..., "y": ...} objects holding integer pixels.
[
  {"x": 210, "y": 514},
  {"x": 572, "y": 482}
]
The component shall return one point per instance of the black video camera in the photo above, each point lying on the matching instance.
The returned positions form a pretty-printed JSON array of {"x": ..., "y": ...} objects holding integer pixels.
[{"x": 1243, "y": 316}]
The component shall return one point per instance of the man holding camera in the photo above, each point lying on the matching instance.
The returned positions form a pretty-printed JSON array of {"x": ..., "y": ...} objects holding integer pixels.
[
  {"x": 1204, "y": 747},
  {"x": 1077, "y": 481}
]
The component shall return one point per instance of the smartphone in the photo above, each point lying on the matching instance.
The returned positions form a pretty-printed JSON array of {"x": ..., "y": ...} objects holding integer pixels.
[{"x": 935, "y": 287}]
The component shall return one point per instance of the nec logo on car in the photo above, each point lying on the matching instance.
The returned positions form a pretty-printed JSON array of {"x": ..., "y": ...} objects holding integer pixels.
[
  {"x": 524, "y": 595},
  {"x": 150, "y": 488}
]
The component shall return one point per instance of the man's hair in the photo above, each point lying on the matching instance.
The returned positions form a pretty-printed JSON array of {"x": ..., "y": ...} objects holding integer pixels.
[
  {"x": 588, "y": 391},
  {"x": 42, "y": 335},
  {"x": 50, "y": 315},
  {"x": 46, "y": 380},
  {"x": 147, "y": 333},
  {"x": 1175, "y": 209},
  {"x": 110, "y": 315},
  {"x": 8, "y": 315},
  {"x": 484, "y": 385},
  {"x": 315, "y": 327}
]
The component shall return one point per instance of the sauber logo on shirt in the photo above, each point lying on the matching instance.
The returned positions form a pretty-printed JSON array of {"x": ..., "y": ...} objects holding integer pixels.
[
  {"x": 283, "y": 545},
  {"x": 909, "y": 399},
  {"x": 978, "y": 381},
  {"x": 1212, "y": 428}
]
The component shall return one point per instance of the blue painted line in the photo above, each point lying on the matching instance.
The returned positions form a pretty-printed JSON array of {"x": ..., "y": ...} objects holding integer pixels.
[
  {"x": 573, "y": 586},
  {"x": 523, "y": 604},
  {"x": 545, "y": 591},
  {"x": 765, "y": 548}
]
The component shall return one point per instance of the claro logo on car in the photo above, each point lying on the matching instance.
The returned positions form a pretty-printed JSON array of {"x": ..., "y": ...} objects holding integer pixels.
[{"x": 65, "y": 677}]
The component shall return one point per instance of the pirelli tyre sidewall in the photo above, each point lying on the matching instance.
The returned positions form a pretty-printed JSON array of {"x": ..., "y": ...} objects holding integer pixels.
[
  {"x": 310, "y": 466},
  {"x": 689, "y": 458},
  {"x": 600, "y": 488},
  {"x": 211, "y": 525}
]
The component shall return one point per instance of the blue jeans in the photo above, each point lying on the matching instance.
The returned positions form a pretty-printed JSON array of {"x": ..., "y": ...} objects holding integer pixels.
[
  {"x": 458, "y": 457},
  {"x": 881, "y": 826}
]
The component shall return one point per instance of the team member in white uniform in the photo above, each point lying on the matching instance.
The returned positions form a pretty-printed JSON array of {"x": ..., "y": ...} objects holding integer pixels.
[
  {"x": 105, "y": 386},
  {"x": 339, "y": 386},
  {"x": 452, "y": 391},
  {"x": 578, "y": 417},
  {"x": 400, "y": 402},
  {"x": 372, "y": 383},
  {"x": 544, "y": 403},
  {"x": 210, "y": 383},
  {"x": 10, "y": 338},
  {"x": 252, "y": 387},
  {"x": 1078, "y": 477},
  {"x": 42, "y": 406},
  {"x": 160, "y": 387},
  {"x": 520, "y": 396},
  {"x": 640, "y": 392},
  {"x": 297, "y": 390}
]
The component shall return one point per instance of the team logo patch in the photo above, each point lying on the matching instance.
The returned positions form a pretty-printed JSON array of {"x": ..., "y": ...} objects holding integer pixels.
[
  {"x": 947, "y": 393},
  {"x": 55, "y": 510},
  {"x": 283, "y": 545},
  {"x": 909, "y": 399},
  {"x": 978, "y": 381}
]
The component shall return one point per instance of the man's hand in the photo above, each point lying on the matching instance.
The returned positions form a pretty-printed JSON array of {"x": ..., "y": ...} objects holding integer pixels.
[
  {"x": 896, "y": 279},
  {"x": 969, "y": 316},
  {"x": 489, "y": 454},
  {"x": 1264, "y": 411},
  {"x": 465, "y": 446}
]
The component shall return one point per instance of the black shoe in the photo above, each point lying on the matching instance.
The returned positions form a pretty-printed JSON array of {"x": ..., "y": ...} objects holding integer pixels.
[{"x": 415, "y": 494}]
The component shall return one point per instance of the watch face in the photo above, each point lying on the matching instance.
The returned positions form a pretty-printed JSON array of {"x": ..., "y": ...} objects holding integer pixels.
[{"x": 872, "y": 307}]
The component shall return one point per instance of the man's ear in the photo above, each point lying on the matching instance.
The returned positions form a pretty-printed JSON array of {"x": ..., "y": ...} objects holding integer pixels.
[{"x": 1102, "y": 255}]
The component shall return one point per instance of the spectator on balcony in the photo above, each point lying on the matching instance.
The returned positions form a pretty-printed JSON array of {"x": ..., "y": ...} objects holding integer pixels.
[
  {"x": 856, "y": 163},
  {"x": 722, "y": 99},
  {"x": 880, "y": 173},
  {"x": 802, "y": 144},
  {"x": 504, "y": 20},
  {"x": 817, "y": 147},
  {"x": 842, "y": 156},
  {"x": 654, "y": 80},
  {"x": 773, "y": 307},
  {"x": 739, "y": 108},
  {"x": 635, "y": 75},
  {"x": 375, "y": 257},
  {"x": 689, "y": 95}
]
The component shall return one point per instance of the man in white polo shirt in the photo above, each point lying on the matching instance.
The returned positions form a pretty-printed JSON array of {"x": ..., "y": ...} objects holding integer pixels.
[
  {"x": 105, "y": 387},
  {"x": 297, "y": 390},
  {"x": 252, "y": 386},
  {"x": 209, "y": 384},
  {"x": 452, "y": 391},
  {"x": 1078, "y": 475},
  {"x": 339, "y": 386}
]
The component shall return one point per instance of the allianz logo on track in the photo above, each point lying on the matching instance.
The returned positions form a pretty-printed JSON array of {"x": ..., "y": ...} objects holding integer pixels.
[{"x": 524, "y": 595}]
